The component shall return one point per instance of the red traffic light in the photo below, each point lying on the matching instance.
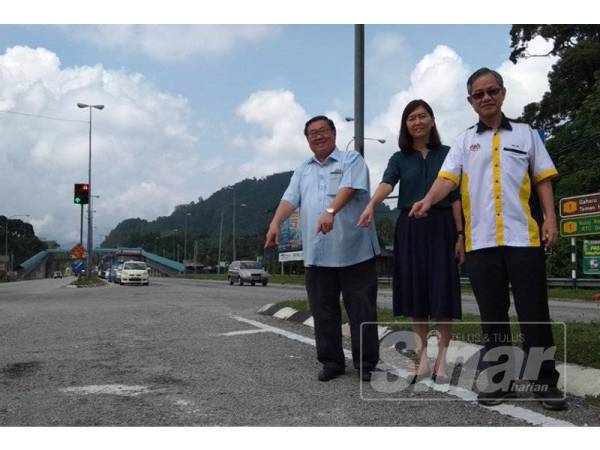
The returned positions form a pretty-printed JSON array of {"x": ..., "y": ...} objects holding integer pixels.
[{"x": 82, "y": 194}]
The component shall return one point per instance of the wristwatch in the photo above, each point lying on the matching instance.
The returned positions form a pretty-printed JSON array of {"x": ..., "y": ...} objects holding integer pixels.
[
  {"x": 459, "y": 233},
  {"x": 330, "y": 211}
]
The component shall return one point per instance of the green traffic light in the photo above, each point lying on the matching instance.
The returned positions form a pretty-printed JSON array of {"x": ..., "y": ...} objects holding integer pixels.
[{"x": 77, "y": 200}]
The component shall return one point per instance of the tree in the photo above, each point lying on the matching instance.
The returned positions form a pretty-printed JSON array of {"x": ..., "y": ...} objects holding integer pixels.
[
  {"x": 569, "y": 112},
  {"x": 22, "y": 241}
]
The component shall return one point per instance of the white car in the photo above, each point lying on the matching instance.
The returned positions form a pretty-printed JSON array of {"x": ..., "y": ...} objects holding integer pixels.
[{"x": 135, "y": 272}]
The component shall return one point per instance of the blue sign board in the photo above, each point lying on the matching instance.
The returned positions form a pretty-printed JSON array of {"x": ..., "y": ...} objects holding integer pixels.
[{"x": 78, "y": 266}]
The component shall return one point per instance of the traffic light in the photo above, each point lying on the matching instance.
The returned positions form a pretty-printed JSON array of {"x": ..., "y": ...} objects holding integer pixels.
[{"x": 82, "y": 194}]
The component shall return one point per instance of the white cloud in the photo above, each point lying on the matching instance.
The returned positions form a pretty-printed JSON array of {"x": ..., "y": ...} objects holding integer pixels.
[
  {"x": 173, "y": 42},
  {"x": 148, "y": 149},
  {"x": 439, "y": 78},
  {"x": 279, "y": 115},
  {"x": 143, "y": 153},
  {"x": 386, "y": 57}
]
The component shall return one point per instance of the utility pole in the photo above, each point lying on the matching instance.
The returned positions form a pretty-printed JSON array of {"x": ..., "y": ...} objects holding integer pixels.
[{"x": 359, "y": 88}]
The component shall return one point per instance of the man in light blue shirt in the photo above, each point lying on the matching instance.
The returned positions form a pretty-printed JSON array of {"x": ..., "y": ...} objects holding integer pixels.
[{"x": 332, "y": 189}]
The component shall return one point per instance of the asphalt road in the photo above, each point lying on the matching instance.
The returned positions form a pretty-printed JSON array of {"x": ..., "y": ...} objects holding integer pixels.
[{"x": 171, "y": 354}]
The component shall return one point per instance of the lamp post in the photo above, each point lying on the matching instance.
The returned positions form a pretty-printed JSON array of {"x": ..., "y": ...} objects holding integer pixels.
[
  {"x": 381, "y": 141},
  {"x": 234, "y": 256},
  {"x": 234, "y": 250},
  {"x": 90, "y": 238},
  {"x": 6, "y": 234},
  {"x": 220, "y": 238},
  {"x": 359, "y": 88},
  {"x": 173, "y": 235},
  {"x": 185, "y": 226}
]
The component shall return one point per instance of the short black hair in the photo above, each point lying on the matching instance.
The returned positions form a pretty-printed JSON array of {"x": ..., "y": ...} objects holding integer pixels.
[
  {"x": 481, "y": 72},
  {"x": 316, "y": 119},
  {"x": 405, "y": 140}
]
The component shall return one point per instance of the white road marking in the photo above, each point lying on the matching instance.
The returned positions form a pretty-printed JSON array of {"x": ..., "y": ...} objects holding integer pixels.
[
  {"x": 108, "y": 389},
  {"x": 467, "y": 395},
  {"x": 516, "y": 412},
  {"x": 237, "y": 333},
  {"x": 264, "y": 308}
]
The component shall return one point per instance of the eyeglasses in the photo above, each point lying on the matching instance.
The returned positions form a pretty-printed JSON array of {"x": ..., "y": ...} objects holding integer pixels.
[
  {"x": 321, "y": 131},
  {"x": 490, "y": 92}
]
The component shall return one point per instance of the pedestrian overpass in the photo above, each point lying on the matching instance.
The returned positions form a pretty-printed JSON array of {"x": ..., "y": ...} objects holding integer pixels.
[{"x": 44, "y": 263}]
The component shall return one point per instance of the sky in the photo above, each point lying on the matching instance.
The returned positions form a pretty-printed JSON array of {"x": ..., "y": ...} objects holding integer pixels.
[{"x": 190, "y": 109}]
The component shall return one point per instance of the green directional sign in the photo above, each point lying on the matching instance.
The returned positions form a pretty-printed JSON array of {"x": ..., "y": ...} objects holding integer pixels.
[
  {"x": 580, "y": 226},
  {"x": 591, "y": 257},
  {"x": 591, "y": 248},
  {"x": 591, "y": 265}
]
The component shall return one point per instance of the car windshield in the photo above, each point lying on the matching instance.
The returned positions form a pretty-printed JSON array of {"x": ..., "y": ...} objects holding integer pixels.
[
  {"x": 250, "y": 265},
  {"x": 134, "y": 266}
]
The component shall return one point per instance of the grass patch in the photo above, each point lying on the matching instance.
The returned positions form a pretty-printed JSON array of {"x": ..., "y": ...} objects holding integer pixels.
[
  {"x": 594, "y": 401},
  {"x": 572, "y": 294},
  {"x": 92, "y": 281},
  {"x": 299, "y": 304},
  {"x": 579, "y": 336},
  {"x": 564, "y": 294},
  {"x": 298, "y": 280}
]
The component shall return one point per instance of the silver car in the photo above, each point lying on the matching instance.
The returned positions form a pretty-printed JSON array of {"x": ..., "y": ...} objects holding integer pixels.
[{"x": 247, "y": 272}]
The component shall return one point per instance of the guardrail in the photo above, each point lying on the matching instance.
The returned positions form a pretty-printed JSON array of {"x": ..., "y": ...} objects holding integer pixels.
[{"x": 552, "y": 282}]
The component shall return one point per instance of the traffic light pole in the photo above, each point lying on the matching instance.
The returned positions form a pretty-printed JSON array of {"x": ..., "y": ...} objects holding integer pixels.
[
  {"x": 81, "y": 228},
  {"x": 90, "y": 207},
  {"x": 88, "y": 268}
]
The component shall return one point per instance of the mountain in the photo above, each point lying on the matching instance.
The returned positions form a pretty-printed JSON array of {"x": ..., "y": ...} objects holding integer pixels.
[{"x": 256, "y": 200}]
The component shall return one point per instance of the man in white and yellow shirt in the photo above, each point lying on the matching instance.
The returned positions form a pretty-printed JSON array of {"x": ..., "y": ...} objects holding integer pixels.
[{"x": 499, "y": 163}]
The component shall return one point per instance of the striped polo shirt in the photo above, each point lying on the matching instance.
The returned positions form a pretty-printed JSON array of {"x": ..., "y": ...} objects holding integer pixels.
[{"x": 497, "y": 170}]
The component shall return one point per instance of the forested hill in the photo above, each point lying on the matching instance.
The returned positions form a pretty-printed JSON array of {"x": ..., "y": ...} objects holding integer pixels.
[
  {"x": 260, "y": 197},
  {"x": 256, "y": 201}
]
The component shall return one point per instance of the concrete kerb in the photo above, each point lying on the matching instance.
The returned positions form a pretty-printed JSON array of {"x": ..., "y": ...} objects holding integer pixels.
[{"x": 582, "y": 381}]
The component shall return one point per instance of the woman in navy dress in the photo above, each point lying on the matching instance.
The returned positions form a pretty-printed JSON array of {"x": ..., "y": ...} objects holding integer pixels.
[{"x": 427, "y": 252}]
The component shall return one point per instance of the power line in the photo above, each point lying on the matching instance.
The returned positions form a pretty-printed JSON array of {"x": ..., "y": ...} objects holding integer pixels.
[
  {"x": 576, "y": 143},
  {"x": 39, "y": 116}
]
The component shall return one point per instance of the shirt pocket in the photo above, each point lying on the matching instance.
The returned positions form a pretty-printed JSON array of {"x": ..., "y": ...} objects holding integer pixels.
[
  {"x": 515, "y": 151},
  {"x": 333, "y": 186}
]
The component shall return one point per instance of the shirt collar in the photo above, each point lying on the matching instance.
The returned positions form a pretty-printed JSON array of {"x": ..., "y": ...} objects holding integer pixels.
[
  {"x": 505, "y": 124},
  {"x": 334, "y": 155}
]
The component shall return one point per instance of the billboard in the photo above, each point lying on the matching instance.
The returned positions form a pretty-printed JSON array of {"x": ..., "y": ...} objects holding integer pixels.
[{"x": 290, "y": 239}]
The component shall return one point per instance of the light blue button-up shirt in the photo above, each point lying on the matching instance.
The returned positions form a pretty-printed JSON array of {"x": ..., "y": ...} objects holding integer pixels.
[{"x": 312, "y": 188}]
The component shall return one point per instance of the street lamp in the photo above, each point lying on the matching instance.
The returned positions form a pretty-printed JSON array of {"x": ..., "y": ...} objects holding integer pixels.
[
  {"x": 185, "y": 236},
  {"x": 174, "y": 233},
  {"x": 6, "y": 234},
  {"x": 381, "y": 141},
  {"x": 90, "y": 239},
  {"x": 220, "y": 238},
  {"x": 234, "y": 256}
]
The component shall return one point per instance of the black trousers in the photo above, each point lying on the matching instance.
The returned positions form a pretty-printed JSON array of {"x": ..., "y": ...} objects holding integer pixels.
[
  {"x": 358, "y": 286},
  {"x": 490, "y": 271}
]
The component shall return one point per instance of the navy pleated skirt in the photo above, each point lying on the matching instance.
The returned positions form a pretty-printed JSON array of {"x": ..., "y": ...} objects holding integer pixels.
[{"x": 426, "y": 282}]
